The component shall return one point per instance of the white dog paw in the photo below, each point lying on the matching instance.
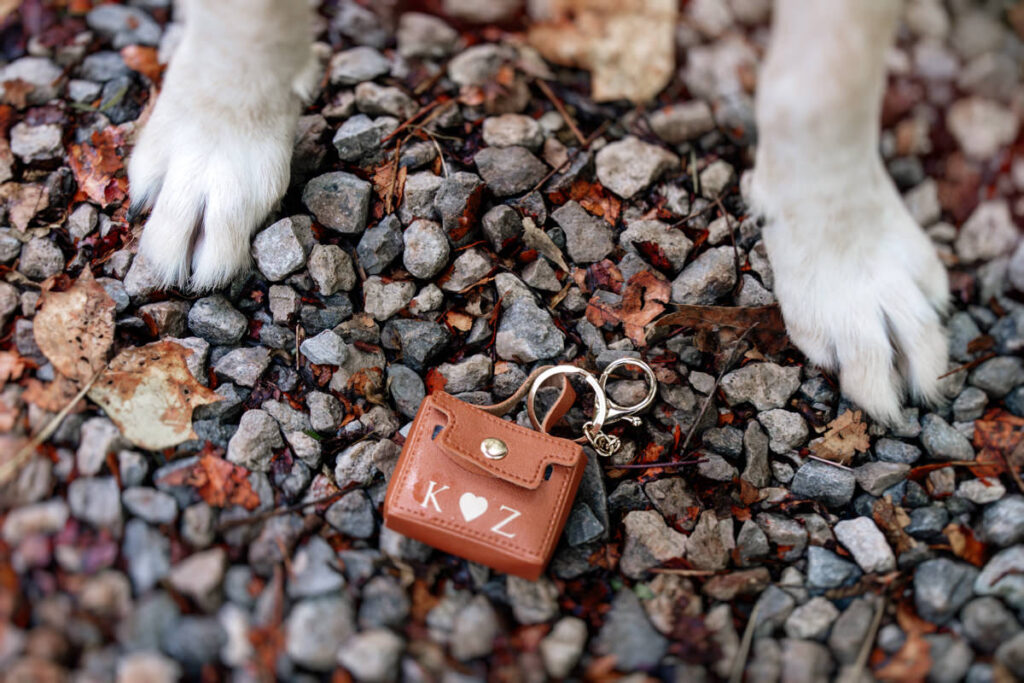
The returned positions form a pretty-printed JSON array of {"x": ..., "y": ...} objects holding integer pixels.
[
  {"x": 862, "y": 292},
  {"x": 210, "y": 164}
]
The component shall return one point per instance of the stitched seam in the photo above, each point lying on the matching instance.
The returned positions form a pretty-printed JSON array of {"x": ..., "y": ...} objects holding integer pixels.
[
  {"x": 532, "y": 481},
  {"x": 560, "y": 502}
]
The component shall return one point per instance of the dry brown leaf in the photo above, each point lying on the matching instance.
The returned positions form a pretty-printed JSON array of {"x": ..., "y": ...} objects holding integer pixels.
[
  {"x": 144, "y": 60},
  {"x": 965, "y": 545},
  {"x": 149, "y": 393},
  {"x": 644, "y": 300},
  {"x": 389, "y": 184},
  {"x": 98, "y": 166},
  {"x": 892, "y": 520},
  {"x": 54, "y": 396},
  {"x": 75, "y": 328},
  {"x": 23, "y": 201},
  {"x": 729, "y": 322},
  {"x": 537, "y": 239},
  {"x": 846, "y": 436},
  {"x": 220, "y": 483},
  {"x": 11, "y": 366},
  {"x": 603, "y": 37}
]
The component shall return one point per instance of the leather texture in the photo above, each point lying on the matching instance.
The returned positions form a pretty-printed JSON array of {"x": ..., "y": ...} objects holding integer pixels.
[{"x": 507, "y": 514}]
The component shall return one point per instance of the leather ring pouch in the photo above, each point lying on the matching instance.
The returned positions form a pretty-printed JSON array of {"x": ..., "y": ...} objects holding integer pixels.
[{"x": 502, "y": 504}]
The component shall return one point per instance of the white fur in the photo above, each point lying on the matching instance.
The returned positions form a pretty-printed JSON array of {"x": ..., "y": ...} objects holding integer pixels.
[
  {"x": 860, "y": 285},
  {"x": 214, "y": 158}
]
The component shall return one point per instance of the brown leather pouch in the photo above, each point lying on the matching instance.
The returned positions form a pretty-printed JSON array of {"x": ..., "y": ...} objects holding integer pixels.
[{"x": 501, "y": 503}]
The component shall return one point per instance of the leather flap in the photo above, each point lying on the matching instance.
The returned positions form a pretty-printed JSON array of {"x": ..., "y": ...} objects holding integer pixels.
[{"x": 529, "y": 452}]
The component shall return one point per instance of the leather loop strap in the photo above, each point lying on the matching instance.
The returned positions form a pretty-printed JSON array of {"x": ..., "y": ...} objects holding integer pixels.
[{"x": 562, "y": 405}]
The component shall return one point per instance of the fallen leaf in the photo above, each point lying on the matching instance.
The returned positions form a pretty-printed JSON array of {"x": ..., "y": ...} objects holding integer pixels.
[
  {"x": 53, "y": 396},
  {"x": 729, "y": 322},
  {"x": 219, "y": 482},
  {"x": 150, "y": 394},
  {"x": 997, "y": 437},
  {"x": 144, "y": 60},
  {"x": 463, "y": 322},
  {"x": 846, "y": 436},
  {"x": 965, "y": 544},
  {"x": 75, "y": 328},
  {"x": 911, "y": 663},
  {"x": 892, "y": 520},
  {"x": 435, "y": 381},
  {"x": 644, "y": 300},
  {"x": 16, "y": 92},
  {"x": 389, "y": 183},
  {"x": 596, "y": 200},
  {"x": 11, "y": 366},
  {"x": 535, "y": 238},
  {"x": 603, "y": 37},
  {"x": 98, "y": 166},
  {"x": 23, "y": 201}
]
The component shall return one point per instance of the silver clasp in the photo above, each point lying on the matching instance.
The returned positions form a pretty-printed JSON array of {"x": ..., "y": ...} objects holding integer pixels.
[{"x": 606, "y": 411}]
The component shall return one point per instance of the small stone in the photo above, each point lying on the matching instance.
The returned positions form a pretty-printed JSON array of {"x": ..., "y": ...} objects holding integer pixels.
[
  {"x": 383, "y": 299},
  {"x": 406, "y": 388},
  {"x": 982, "y": 127},
  {"x": 786, "y": 430},
  {"x": 474, "y": 630},
  {"x": 562, "y": 647},
  {"x": 326, "y": 348},
  {"x": 380, "y": 245},
  {"x": 891, "y": 450},
  {"x": 126, "y": 25},
  {"x": 987, "y": 623},
  {"x": 709, "y": 277},
  {"x": 1003, "y": 577},
  {"x": 876, "y": 477},
  {"x": 533, "y": 602},
  {"x": 340, "y": 201},
  {"x": 682, "y": 122},
  {"x": 214, "y": 319},
  {"x": 356, "y": 65},
  {"x": 424, "y": 36},
  {"x": 426, "y": 249},
  {"x": 866, "y": 543},
  {"x": 981, "y": 492},
  {"x": 147, "y": 667},
  {"x": 253, "y": 444},
  {"x": 457, "y": 203},
  {"x": 37, "y": 143},
  {"x": 40, "y": 259},
  {"x": 379, "y": 100},
  {"x": 314, "y": 570},
  {"x": 941, "y": 587},
  {"x": 1010, "y": 655},
  {"x": 627, "y": 635},
  {"x": 471, "y": 374},
  {"x": 672, "y": 243},
  {"x": 325, "y": 411},
  {"x": 969, "y": 405},
  {"x": 527, "y": 333},
  {"x": 46, "y": 518},
  {"x": 243, "y": 366},
  {"x": 99, "y": 437},
  {"x": 630, "y": 165},
  {"x": 539, "y": 274},
  {"x": 199, "y": 577},
  {"x": 998, "y": 376},
  {"x": 773, "y": 608},
  {"x": 372, "y": 656},
  {"x": 812, "y": 620},
  {"x": 470, "y": 267},
  {"x": 156, "y": 507},
  {"x": 147, "y": 553},
  {"x": 784, "y": 533},
  {"x": 766, "y": 385},
  {"x": 649, "y": 543},
  {"x": 352, "y": 515},
  {"x": 282, "y": 248},
  {"x": 97, "y": 501},
  {"x": 827, "y": 570},
  {"x": 315, "y": 629},
  {"x": 43, "y": 75},
  {"x": 716, "y": 178},
  {"x": 501, "y": 225},
  {"x": 828, "y": 484},
  {"x": 943, "y": 442},
  {"x": 588, "y": 238},
  {"x": 988, "y": 233},
  {"x": 509, "y": 170},
  {"x": 1002, "y": 522},
  {"x": 512, "y": 130}
]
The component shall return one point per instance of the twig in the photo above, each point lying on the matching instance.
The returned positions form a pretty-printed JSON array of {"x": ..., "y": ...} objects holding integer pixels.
[
  {"x": 11, "y": 467},
  {"x": 686, "y": 572},
  {"x": 652, "y": 465},
  {"x": 740, "y": 662},
  {"x": 969, "y": 366},
  {"x": 830, "y": 462},
  {"x": 571, "y": 157},
  {"x": 857, "y": 668},
  {"x": 277, "y": 512},
  {"x": 711, "y": 394},
  {"x": 408, "y": 122},
  {"x": 549, "y": 93}
]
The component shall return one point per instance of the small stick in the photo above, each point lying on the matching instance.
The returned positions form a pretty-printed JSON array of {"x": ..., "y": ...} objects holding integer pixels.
[
  {"x": 408, "y": 122},
  {"x": 685, "y": 572},
  {"x": 550, "y": 94},
  {"x": 969, "y": 366},
  {"x": 277, "y": 512},
  {"x": 740, "y": 663},
  {"x": 857, "y": 668},
  {"x": 11, "y": 467},
  {"x": 652, "y": 465}
]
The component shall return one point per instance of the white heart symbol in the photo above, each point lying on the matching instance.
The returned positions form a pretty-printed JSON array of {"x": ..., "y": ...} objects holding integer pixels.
[{"x": 472, "y": 506}]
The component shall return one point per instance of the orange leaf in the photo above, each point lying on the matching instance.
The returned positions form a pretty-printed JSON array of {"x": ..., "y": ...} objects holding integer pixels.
[
  {"x": 144, "y": 60},
  {"x": 644, "y": 300},
  {"x": 98, "y": 166},
  {"x": 75, "y": 328},
  {"x": 435, "y": 381},
  {"x": 220, "y": 483},
  {"x": 846, "y": 436},
  {"x": 730, "y": 322},
  {"x": 965, "y": 545}
]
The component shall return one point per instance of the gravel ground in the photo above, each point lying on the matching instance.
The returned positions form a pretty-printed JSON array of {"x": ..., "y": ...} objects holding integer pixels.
[{"x": 494, "y": 250}]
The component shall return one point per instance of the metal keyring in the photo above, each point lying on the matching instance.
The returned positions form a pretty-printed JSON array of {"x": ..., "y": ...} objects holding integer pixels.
[
  {"x": 620, "y": 412},
  {"x": 600, "y": 400}
]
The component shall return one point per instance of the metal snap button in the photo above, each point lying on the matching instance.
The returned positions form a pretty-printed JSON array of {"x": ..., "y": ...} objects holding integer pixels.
[{"x": 494, "y": 449}]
